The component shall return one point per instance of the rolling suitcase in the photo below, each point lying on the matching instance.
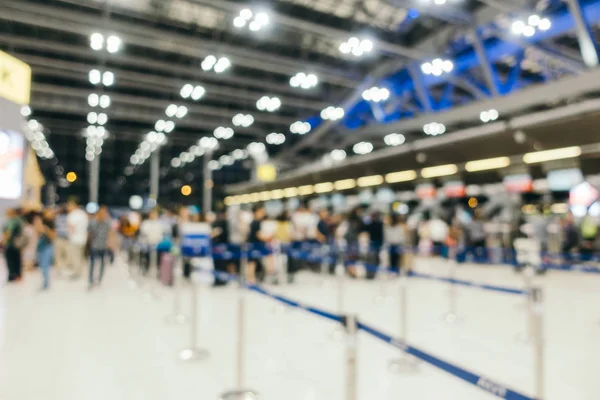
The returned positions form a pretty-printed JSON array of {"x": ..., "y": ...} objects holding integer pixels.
[{"x": 167, "y": 264}]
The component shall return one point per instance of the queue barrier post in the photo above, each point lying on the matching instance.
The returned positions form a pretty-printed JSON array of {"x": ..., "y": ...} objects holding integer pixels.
[
  {"x": 452, "y": 315},
  {"x": 538, "y": 341},
  {"x": 383, "y": 275},
  {"x": 193, "y": 352},
  {"x": 351, "y": 329},
  {"x": 240, "y": 392},
  {"x": 404, "y": 363},
  {"x": 324, "y": 263},
  {"x": 177, "y": 317},
  {"x": 340, "y": 272}
]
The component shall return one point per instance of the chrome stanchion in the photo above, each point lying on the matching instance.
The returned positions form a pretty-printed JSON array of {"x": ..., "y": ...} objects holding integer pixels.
[
  {"x": 240, "y": 393},
  {"x": 193, "y": 353},
  {"x": 528, "y": 336},
  {"x": 383, "y": 275},
  {"x": 404, "y": 363},
  {"x": 351, "y": 328},
  {"x": 538, "y": 340},
  {"x": 177, "y": 317},
  {"x": 324, "y": 264},
  {"x": 452, "y": 316},
  {"x": 340, "y": 272}
]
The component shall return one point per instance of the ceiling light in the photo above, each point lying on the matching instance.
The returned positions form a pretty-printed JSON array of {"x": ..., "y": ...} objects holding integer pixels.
[
  {"x": 102, "y": 119},
  {"x": 96, "y": 41},
  {"x": 437, "y": 67},
  {"x": 244, "y": 120},
  {"x": 104, "y": 101},
  {"x": 259, "y": 21},
  {"x": 324, "y": 187},
  {"x": 362, "y": 148},
  {"x": 367, "y": 181},
  {"x": 214, "y": 165},
  {"x": 306, "y": 190},
  {"x": 434, "y": 129},
  {"x": 300, "y": 128},
  {"x": 113, "y": 44},
  {"x": 402, "y": 176},
  {"x": 92, "y": 117},
  {"x": 95, "y": 77},
  {"x": 338, "y": 155},
  {"x": 171, "y": 110},
  {"x": 208, "y": 63},
  {"x": 222, "y": 65},
  {"x": 441, "y": 170},
  {"x": 93, "y": 100},
  {"x": 344, "y": 184},
  {"x": 256, "y": 148},
  {"x": 198, "y": 93},
  {"x": 239, "y": 154},
  {"x": 530, "y": 26},
  {"x": 394, "y": 139},
  {"x": 356, "y": 46},
  {"x": 275, "y": 138},
  {"x": 304, "y": 81},
  {"x": 208, "y": 143},
  {"x": 489, "y": 115},
  {"x": 181, "y": 112},
  {"x": 376, "y": 94},
  {"x": 176, "y": 162},
  {"x": 25, "y": 111},
  {"x": 267, "y": 103},
  {"x": 186, "y": 90},
  {"x": 160, "y": 125},
  {"x": 551, "y": 155},
  {"x": 290, "y": 192},
  {"x": 223, "y": 133},
  {"x": 487, "y": 164},
  {"x": 108, "y": 78},
  {"x": 332, "y": 113},
  {"x": 226, "y": 160},
  {"x": 169, "y": 126}
]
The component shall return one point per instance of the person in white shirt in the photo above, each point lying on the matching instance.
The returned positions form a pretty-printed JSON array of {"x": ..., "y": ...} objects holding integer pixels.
[
  {"x": 77, "y": 225},
  {"x": 152, "y": 232},
  {"x": 438, "y": 233}
]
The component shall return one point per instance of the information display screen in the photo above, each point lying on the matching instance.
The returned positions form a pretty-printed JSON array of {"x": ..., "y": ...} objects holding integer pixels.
[
  {"x": 11, "y": 165},
  {"x": 562, "y": 180}
]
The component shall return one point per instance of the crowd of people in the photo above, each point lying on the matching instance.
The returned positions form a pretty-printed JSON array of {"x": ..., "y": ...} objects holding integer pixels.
[{"x": 68, "y": 238}]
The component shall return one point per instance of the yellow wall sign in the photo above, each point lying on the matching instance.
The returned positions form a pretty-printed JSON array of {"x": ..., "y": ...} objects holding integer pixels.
[
  {"x": 266, "y": 173},
  {"x": 15, "y": 79}
]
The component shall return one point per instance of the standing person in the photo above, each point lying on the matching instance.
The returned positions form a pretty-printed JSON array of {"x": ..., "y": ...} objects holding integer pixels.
[
  {"x": 395, "y": 236},
  {"x": 375, "y": 230},
  {"x": 45, "y": 226},
  {"x": 100, "y": 230},
  {"x": 29, "y": 252},
  {"x": 61, "y": 242},
  {"x": 151, "y": 234},
  {"x": 438, "y": 233},
  {"x": 14, "y": 241},
  {"x": 475, "y": 232},
  {"x": 257, "y": 240},
  {"x": 77, "y": 225},
  {"x": 352, "y": 229},
  {"x": 220, "y": 238},
  {"x": 570, "y": 237}
]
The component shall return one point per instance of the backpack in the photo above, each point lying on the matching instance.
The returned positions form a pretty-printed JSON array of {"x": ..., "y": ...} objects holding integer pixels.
[{"x": 19, "y": 240}]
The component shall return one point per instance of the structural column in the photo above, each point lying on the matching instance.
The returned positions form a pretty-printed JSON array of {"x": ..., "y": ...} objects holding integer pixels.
[
  {"x": 155, "y": 175},
  {"x": 587, "y": 44},
  {"x": 208, "y": 183},
  {"x": 94, "y": 179}
]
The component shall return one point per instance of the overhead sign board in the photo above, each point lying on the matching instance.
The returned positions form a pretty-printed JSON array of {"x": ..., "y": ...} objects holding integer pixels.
[
  {"x": 15, "y": 79},
  {"x": 11, "y": 165}
]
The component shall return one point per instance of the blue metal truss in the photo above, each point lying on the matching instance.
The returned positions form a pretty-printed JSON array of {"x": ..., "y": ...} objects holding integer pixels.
[{"x": 414, "y": 93}]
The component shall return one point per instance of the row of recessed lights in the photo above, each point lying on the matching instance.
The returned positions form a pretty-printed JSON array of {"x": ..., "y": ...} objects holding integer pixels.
[{"x": 403, "y": 176}]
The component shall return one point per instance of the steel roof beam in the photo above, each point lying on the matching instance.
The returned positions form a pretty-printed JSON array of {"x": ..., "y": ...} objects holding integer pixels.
[
  {"x": 131, "y": 80},
  {"x": 82, "y": 23},
  {"x": 587, "y": 41},
  {"x": 193, "y": 74},
  {"x": 448, "y": 13},
  {"x": 294, "y": 23}
]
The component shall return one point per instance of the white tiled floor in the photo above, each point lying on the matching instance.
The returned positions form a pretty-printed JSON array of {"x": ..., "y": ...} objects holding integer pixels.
[{"x": 112, "y": 343}]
